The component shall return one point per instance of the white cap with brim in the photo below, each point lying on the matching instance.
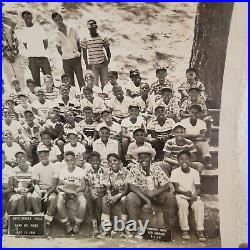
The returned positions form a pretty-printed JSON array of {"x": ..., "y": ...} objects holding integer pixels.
[
  {"x": 144, "y": 150},
  {"x": 178, "y": 124},
  {"x": 19, "y": 151},
  {"x": 42, "y": 148},
  {"x": 73, "y": 132},
  {"x": 102, "y": 127}
]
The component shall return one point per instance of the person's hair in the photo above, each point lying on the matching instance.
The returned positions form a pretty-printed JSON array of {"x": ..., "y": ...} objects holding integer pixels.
[
  {"x": 26, "y": 12},
  {"x": 159, "y": 107},
  {"x": 65, "y": 75},
  {"x": 113, "y": 155},
  {"x": 116, "y": 87},
  {"x": 87, "y": 108},
  {"x": 88, "y": 89},
  {"x": 94, "y": 154},
  {"x": 88, "y": 74},
  {"x": 29, "y": 80},
  {"x": 196, "y": 106},
  {"x": 28, "y": 111},
  {"x": 191, "y": 70},
  {"x": 45, "y": 132},
  {"x": 69, "y": 153},
  {"x": 144, "y": 83},
  {"x": 186, "y": 152},
  {"x": 138, "y": 130},
  {"x": 114, "y": 73},
  {"x": 55, "y": 14},
  {"x": 166, "y": 90}
]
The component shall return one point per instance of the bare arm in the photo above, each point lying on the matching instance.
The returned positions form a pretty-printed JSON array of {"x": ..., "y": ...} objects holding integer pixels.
[
  {"x": 178, "y": 191},
  {"x": 108, "y": 53},
  {"x": 53, "y": 186},
  {"x": 85, "y": 58},
  {"x": 168, "y": 159}
]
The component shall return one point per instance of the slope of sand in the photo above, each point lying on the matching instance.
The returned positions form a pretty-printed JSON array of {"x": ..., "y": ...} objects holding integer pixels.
[{"x": 141, "y": 35}]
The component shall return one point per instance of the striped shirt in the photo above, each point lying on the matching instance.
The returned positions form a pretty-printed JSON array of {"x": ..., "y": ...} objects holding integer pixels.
[
  {"x": 162, "y": 132},
  {"x": 173, "y": 149},
  {"x": 95, "y": 46},
  {"x": 52, "y": 95},
  {"x": 88, "y": 129},
  {"x": 23, "y": 179}
]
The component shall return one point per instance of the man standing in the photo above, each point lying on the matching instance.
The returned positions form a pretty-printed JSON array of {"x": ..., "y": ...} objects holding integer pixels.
[
  {"x": 11, "y": 59},
  {"x": 68, "y": 46},
  {"x": 98, "y": 62},
  {"x": 35, "y": 42}
]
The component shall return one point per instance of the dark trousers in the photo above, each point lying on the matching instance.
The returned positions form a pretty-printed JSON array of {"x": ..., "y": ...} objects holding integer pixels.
[
  {"x": 71, "y": 66},
  {"x": 37, "y": 63},
  {"x": 166, "y": 200}
]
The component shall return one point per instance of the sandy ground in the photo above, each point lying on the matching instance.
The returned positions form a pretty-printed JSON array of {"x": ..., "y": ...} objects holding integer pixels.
[
  {"x": 11, "y": 242},
  {"x": 141, "y": 35}
]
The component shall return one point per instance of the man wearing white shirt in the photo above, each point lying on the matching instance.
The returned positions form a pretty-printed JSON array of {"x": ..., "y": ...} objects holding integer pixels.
[
  {"x": 35, "y": 42},
  {"x": 68, "y": 46}
]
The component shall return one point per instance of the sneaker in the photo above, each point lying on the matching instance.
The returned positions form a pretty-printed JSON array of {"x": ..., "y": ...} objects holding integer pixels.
[
  {"x": 185, "y": 235},
  {"x": 201, "y": 236},
  {"x": 139, "y": 235},
  {"x": 68, "y": 228},
  {"x": 76, "y": 229}
]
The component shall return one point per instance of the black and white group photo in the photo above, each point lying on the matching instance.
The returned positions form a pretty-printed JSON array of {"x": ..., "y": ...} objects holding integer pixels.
[{"x": 111, "y": 121}]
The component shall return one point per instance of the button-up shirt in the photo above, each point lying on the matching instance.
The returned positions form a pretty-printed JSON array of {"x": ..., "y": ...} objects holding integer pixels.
[
  {"x": 96, "y": 180},
  {"x": 68, "y": 43},
  {"x": 157, "y": 177},
  {"x": 30, "y": 132}
]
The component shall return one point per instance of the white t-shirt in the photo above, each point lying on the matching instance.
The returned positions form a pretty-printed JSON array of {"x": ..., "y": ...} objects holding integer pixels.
[
  {"x": 120, "y": 109},
  {"x": 115, "y": 129},
  {"x": 34, "y": 37},
  {"x": 193, "y": 130},
  {"x": 13, "y": 127},
  {"x": 7, "y": 172},
  {"x": 78, "y": 149},
  {"x": 187, "y": 181},
  {"x": 71, "y": 178},
  {"x": 131, "y": 127},
  {"x": 11, "y": 151},
  {"x": 104, "y": 150},
  {"x": 42, "y": 109}
]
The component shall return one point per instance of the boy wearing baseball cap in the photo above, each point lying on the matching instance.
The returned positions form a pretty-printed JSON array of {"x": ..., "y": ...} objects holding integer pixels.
[
  {"x": 133, "y": 89},
  {"x": 45, "y": 178},
  {"x": 93, "y": 53}
]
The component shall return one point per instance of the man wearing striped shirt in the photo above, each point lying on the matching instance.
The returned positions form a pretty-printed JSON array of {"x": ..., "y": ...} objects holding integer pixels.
[{"x": 94, "y": 55}]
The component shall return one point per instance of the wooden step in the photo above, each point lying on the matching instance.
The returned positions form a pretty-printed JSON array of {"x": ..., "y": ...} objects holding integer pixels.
[
  {"x": 209, "y": 181},
  {"x": 215, "y": 114},
  {"x": 214, "y": 136},
  {"x": 214, "y": 156}
]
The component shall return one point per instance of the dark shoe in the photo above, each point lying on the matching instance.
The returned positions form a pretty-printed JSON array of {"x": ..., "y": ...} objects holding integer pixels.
[
  {"x": 68, "y": 228},
  {"x": 201, "y": 236},
  {"x": 185, "y": 235},
  {"x": 76, "y": 229}
]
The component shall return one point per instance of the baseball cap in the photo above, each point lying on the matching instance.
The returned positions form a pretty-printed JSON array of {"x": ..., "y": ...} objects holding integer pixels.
[
  {"x": 42, "y": 148},
  {"x": 160, "y": 67},
  {"x": 178, "y": 125},
  {"x": 72, "y": 131},
  {"x": 134, "y": 72},
  {"x": 19, "y": 151},
  {"x": 104, "y": 126},
  {"x": 91, "y": 23}
]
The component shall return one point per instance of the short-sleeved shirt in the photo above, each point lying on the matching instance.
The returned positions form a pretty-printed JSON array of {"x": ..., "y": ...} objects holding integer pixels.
[
  {"x": 51, "y": 96},
  {"x": 68, "y": 43},
  {"x": 71, "y": 179},
  {"x": 116, "y": 181},
  {"x": 162, "y": 132},
  {"x": 104, "y": 150},
  {"x": 23, "y": 178},
  {"x": 185, "y": 87},
  {"x": 42, "y": 108},
  {"x": 29, "y": 132},
  {"x": 131, "y": 127},
  {"x": 156, "y": 87},
  {"x": 14, "y": 127},
  {"x": 120, "y": 109},
  {"x": 7, "y": 172},
  {"x": 78, "y": 149},
  {"x": 95, "y": 46},
  {"x": 173, "y": 149},
  {"x": 172, "y": 108},
  {"x": 187, "y": 181},
  {"x": 193, "y": 130},
  {"x": 134, "y": 90},
  {"x": 34, "y": 37},
  {"x": 11, "y": 151},
  {"x": 45, "y": 174},
  {"x": 88, "y": 129},
  {"x": 157, "y": 177},
  {"x": 185, "y": 106},
  {"x": 108, "y": 89},
  {"x": 97, "y": 105},
  {"x": 115, "y": 129},
  {"x": 96, "y": 180},
  {"x": 133, "y": 146},
  {"x": 147, "y": 106}
]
